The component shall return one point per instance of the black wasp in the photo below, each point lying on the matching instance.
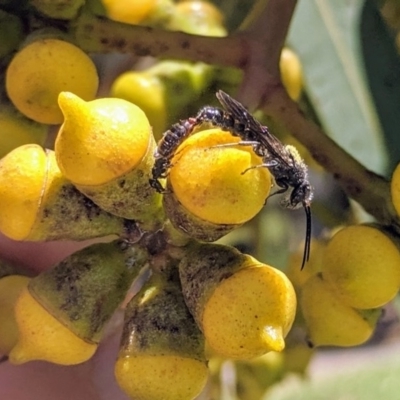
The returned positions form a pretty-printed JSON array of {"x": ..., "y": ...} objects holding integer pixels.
[
  {"x": 166, "y": 149},
  {"x": 283, "y": 161}
]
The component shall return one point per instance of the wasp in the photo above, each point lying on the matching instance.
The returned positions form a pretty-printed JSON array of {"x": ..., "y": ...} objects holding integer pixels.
[
  {"x": 283, "y": 161},
  {"x": 166, "y": 149}
]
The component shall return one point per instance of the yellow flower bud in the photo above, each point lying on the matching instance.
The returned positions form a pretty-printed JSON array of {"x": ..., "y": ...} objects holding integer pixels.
[
  {"x": 299, "y": 276},
  {"x": 147, "y": 92},
  {"x": 38, "y": 203},
  {"x": 362, "y": 265},
  {"x": 43, "y": 337},
  {"x": 129, "y": 12},
  {"x": 44, "y": 68},
  {"x": 330, "y": 321},
  {"x": 162, "y": 349},
  {"x": 214, "y": 189},
  {"x": 22, "y": 175},
  {"x": 243, "y": 307},
  {"x": 105, "y": 148},
  {"x": 85, "y": 289},
  {"x": 291, "y": 73},
  {"x": 62, "y": 313},
  {"x": 395, "y": 189}
]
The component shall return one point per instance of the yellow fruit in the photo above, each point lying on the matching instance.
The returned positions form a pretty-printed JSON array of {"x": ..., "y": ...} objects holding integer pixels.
[
  {"x": 129, "y": 11},
  {"x": 211, "y": 182},
  {"x": 291, "y": 73},
  {"x": 35, "y": 198},
  {"x": 60, "y": 198},
  {"x": 299, "y": 276},
  {"x": 395, "y": 189},
  {"x": 331, "y": 322},
  {"x": 43, "y": 69},
  {"x": 105, "y": 138},
  {"x": 10, "y": 288},
  {"x": 161, "y": 377},
  {"x": 243, "y": 307},
  {"x": 362, "y": 265},
  {"x": 42, "y": 337},
  {"x": 21, "y": 175},
  {"x": 199, "y": 18},
  {"x": 110, "y": 140},
  {"x": 16, "y": 130},
  {"x": 204, "y": 11},
  {"x": 86, "y": 288},
  {"x": 147, "y": 92},
  {"x": 162, "y": 349},
  {"x": 250, "y": 313}
]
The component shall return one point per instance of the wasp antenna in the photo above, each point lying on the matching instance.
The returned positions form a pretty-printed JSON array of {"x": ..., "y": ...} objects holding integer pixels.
[{"x": 307, "y": 244}]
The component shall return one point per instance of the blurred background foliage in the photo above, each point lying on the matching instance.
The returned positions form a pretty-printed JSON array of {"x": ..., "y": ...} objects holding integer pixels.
[{"x": 349, "y": 54}]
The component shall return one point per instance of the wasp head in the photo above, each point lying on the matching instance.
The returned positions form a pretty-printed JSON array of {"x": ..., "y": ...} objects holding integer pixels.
[{"x": 300, "y": 196}]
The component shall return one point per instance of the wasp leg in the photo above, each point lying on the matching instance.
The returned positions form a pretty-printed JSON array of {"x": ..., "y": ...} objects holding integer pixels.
[
  {"x": 241, "y": 143},
  {"x": 155, "y": 184},
  {"x": 268, "y": 164},
  {"x": 283, "y": 187}
]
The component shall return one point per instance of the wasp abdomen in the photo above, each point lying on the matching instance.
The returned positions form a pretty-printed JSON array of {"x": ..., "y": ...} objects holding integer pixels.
[{"x": 173, "y": 137}]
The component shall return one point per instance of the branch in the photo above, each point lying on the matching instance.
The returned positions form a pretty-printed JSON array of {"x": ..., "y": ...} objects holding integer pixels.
[
  {"x": 369, "y": 189},
  {"x": 95, "y": 34},
  {"x": 265, "y": 36}
]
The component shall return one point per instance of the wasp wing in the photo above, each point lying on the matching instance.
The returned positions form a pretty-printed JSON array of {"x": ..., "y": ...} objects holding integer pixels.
[{"x": 271, "y": 143}]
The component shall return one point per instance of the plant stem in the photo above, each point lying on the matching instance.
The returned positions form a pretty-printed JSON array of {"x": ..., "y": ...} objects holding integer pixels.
[
  {"x": 265, "y": 34},
  {"x": 369, "y": 189},
  {"x": 96, "y": 34}
]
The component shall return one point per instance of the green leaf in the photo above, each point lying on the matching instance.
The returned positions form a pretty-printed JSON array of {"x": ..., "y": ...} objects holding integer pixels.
[
  {"x": 324, "y": 33},
  {"x": 382, "y": 64}
]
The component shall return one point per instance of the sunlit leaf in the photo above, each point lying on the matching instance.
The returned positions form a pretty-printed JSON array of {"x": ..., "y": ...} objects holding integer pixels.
[{"x": 325, "y": 35}]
